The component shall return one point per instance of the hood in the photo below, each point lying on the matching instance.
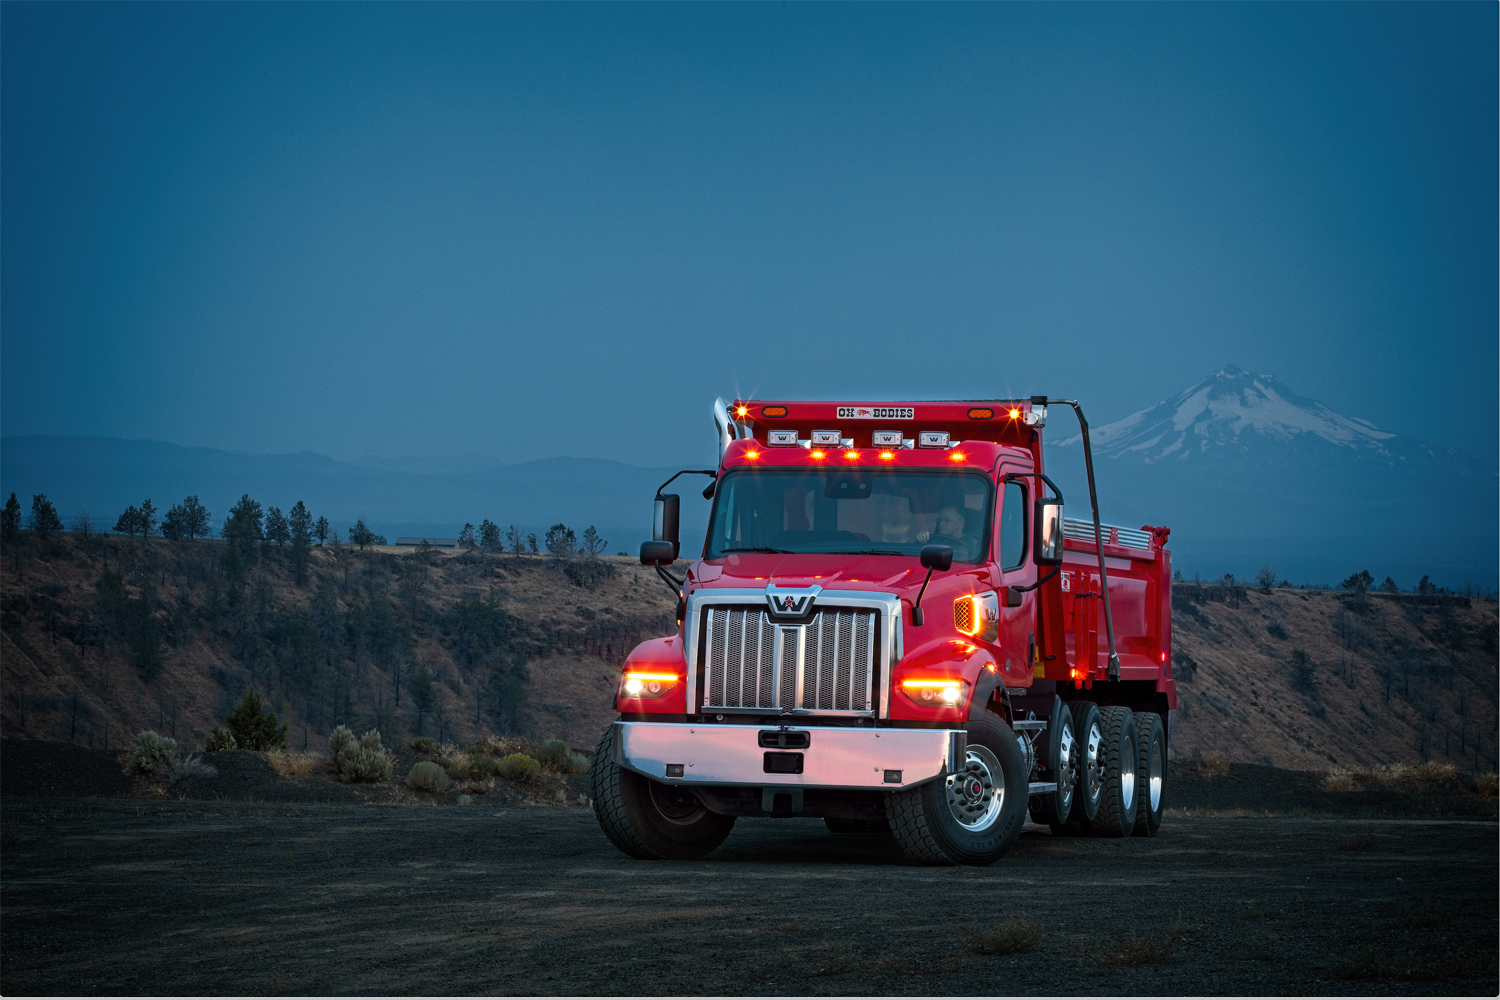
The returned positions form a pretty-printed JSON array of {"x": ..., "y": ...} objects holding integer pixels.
[{"x": 889, "y": 574}]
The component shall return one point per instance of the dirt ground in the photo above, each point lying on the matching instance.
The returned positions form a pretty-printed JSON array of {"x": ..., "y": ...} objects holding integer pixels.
[{"x": 127, "y": 896}]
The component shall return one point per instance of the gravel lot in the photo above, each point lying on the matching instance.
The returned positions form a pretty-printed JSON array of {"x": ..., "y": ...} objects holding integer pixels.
[{"x": 122, "y": 896}]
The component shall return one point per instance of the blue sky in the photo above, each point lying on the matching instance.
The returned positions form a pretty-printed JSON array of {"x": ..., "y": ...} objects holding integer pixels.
[{"x": 527, "y": 230}]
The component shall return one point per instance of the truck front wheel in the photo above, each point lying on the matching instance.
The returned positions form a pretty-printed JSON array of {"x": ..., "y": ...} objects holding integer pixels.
[
  {"x": 974, "y": 816},
  {"x": 648, "y": 819}
]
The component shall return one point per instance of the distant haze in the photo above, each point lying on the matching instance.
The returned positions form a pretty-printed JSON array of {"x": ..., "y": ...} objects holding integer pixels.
[{"x": 1244, "y": 470}]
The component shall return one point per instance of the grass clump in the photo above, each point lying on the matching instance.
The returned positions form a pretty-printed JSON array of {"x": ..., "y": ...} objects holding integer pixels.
[
  {"x": 426, "y": 776},
  {"x": 363, "y": 760},
  {"x": 1416, "y": 777},
  {"x": 296, "y": 765},
  {"x": 1487, "y": 785},
  {"x": 1214, "y": 764},
  {"x": 519, "y": 767},
  {"x": 1010, "y": 937},
  {"x": 557, "y": 755},
  {"x": 424, "y": 744}
]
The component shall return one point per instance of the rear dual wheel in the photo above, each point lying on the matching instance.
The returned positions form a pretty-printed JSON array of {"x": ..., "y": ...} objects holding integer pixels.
[
  {"x": 1151, "y": 772},
  {"x": 1120, "y": 758}
]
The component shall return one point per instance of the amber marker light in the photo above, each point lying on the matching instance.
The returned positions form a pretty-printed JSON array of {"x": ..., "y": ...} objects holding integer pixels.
[
  {"x": 886, "y": 456},
  {"x": 752, "y": 454},
  {"x": 1014, "y": 414},
  {"x": 817, "y": 454},
  {"x": 957, "y": 456},
  {"x": 742, "y": 411},
  {"x": 851, "y": 455}
]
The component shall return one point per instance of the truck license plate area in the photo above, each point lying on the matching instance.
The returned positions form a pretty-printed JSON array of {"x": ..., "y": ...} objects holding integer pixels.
[
  {"x": 783, "y": 763},
  {"x": 783, "y": 739}
]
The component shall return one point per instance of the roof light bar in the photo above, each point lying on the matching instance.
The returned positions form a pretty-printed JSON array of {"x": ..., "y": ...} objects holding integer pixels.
[
  {"x": 931, "y": 439},
  {"x": 826, "y": 438},
  {"x": 781, "y": 439},
  {"x": 885, "y": 439}
]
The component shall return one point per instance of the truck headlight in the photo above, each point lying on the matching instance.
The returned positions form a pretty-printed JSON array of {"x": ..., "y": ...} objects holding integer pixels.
[
  {"x": 647, "y": 683},
  {"x": 935, "y": 691}
]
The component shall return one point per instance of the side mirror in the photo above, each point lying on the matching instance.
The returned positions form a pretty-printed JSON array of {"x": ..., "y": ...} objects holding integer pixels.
[
  {"x": 1048, "y": 544},
  {"x": 658, "y": 553},
  {"x": 938, "y": 557},
  {"x": 668, "y": 510}
]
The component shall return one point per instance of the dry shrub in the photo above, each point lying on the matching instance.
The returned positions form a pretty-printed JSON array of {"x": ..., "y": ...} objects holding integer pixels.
[
  {"x": 1008, "y": 938},
  {"x": 482, "y": 766},
  {"x": 424, "y": 744},
  {"x": 1214, "y": 764},
  {"x": 457, "y": 765},
  {"x": 1134, "y": 951},
  {"x": 519, "y": 767},
  {"x": 559, "y": 757},
  {"x": 1339, "y": 780},
  {"x": 150, "y": 753},
  {"x": 425, "y": 776},
  {"x": 220, "y": 740},
  {"x": 364, "y": 760},
  {"x": 1487, "y": 785},
  {"x": 1364, "y": 842},
  {"x": 297, "y": 765}
]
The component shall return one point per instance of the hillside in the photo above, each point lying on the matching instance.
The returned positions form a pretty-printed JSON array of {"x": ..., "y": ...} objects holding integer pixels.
[{"x": 514, "y": 644}]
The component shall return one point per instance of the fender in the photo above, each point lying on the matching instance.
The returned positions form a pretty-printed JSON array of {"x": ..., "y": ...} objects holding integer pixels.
[{"x": 984, "y": 687}]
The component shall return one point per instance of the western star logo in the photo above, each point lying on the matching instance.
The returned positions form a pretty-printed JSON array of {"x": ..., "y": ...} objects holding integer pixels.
[
  {"x": 877, "y": 413},
  {"x": 789, "y": 604},
  {"x": 792, "y": 602}
]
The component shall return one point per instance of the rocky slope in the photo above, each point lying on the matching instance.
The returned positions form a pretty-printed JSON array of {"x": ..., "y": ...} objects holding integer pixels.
[{"x": 517, "y": 644}]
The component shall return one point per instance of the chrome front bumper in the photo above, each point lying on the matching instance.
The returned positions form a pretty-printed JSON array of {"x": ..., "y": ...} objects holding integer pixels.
[{"x": 835, "y": 757}]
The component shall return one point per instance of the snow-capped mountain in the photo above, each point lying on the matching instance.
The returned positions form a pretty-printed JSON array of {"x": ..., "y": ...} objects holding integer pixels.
[
  {"x": 1244, "y": 469},
  {"x": 1232, "y": 407}
]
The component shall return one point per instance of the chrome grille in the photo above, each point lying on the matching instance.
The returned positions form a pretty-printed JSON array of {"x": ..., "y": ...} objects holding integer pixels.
[{"x": 825, "y": 665}]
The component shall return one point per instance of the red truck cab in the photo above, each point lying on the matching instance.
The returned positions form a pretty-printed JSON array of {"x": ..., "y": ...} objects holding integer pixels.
[{"x": 891, "y": 625}]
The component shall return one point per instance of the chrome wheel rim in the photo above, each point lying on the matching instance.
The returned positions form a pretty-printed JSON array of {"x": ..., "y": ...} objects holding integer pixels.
[
  {"x": 1093, "y": 765},
  {"x": 1127, "y": 790},
  {"x": 1067, "y": 766},
  {"x": 976, "y": 794},
  {"x": 1155, "y": 779}
]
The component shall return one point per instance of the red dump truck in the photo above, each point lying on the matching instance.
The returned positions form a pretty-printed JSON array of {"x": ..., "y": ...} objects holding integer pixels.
[{"x": 893, "y": 626}]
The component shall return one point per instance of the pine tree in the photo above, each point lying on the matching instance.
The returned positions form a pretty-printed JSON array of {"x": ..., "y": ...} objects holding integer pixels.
[
  {"x": 243, "y": 525},
  {"x": 321, "y": 530},
  {"x": 10, "y": 520},
  {"x": 277, "y": 529},
  {"x": 129, "y": 522},
  {"x": 361, "y": 534},
  {"x": 513, "y": 539},
  {"x": 147, "y": 518},
  {"x": 300, "y": 523},
  {"x": 561, "y": 541},
  {"x": 44, "y": 519},
  {"x": 489, "y": 536},
  {"x": 592, "y": 543},
  {"x": 253, "y": 729},
  {"x": 466, "y": 537}
]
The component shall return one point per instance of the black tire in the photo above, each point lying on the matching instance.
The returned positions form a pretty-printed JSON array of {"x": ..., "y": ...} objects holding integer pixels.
[
  {"x": 1117, "y": 805},
  {"x": 990, "y": 793},
  {"x": 1151, "y": 773},
  {"x": 1052, "y": 808},
  {"x": 1089, "y": 733},
  {"x": 647, "y": 819}
]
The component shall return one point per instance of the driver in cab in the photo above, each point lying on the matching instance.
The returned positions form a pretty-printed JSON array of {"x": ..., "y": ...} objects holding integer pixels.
[{"x": 951, "y": 531}]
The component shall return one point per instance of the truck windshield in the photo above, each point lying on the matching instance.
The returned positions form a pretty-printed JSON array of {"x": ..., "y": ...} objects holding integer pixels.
[{"x": 868, "y": 511}]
